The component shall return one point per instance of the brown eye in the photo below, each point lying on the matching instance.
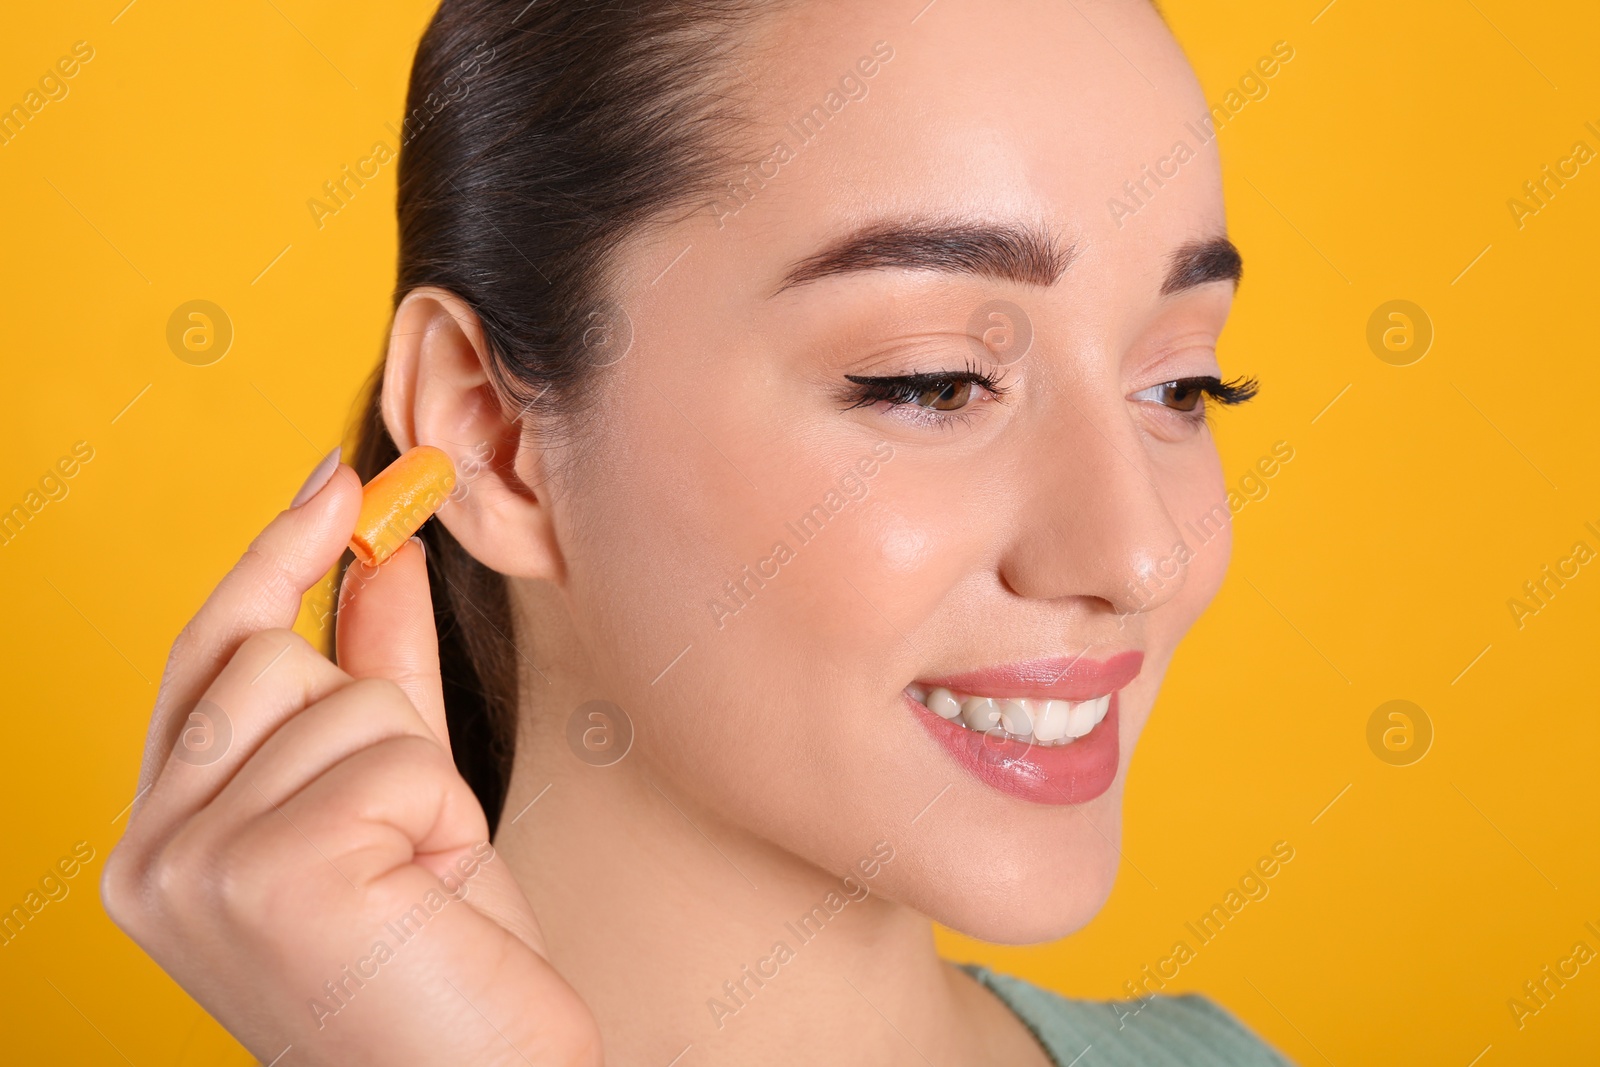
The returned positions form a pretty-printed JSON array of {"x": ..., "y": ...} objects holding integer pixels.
[
  {"x": 946, "y": 396},
  {"x": 1192, "y": 397},
  {"x": 1185, "y": 395},
  {"x": 1182, "y": 396},
  {"x": 936, "y": 391}
]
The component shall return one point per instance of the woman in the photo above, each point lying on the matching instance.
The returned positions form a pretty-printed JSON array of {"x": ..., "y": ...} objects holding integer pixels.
[{"x": 828, "y": 386}]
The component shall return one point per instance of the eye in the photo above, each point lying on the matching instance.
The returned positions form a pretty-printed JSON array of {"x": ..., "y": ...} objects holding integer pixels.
[
  {"x": 935, "y": 391},
  {"x": 1185, "y": 394},
  {"x": 945, "y": 396},
  {"x": 1188, "y": 396}
]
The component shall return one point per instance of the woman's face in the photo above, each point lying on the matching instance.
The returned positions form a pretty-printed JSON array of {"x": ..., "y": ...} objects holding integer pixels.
[{"x": 769, "y": 563}]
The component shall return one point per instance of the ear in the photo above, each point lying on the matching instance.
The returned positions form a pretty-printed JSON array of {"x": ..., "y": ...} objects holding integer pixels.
[{"x": 437, "y": 391}]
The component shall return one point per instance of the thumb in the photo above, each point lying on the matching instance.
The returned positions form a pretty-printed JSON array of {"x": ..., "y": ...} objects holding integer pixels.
[
  {"x": 497, "y": 897},
  {"x": 385, "y": 630}
]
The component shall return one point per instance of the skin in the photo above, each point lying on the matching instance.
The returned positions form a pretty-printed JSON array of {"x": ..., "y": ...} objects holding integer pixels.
[{"x": 776, "y": 752}]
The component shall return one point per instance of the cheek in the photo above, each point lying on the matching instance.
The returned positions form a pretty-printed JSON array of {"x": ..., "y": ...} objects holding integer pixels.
[
  {"x": 784, "y": 602},
  {"x": 846, "y": 595},
  {"x": 1196, "y": 498},
  {"x": 905, "y": 558},
  {"x": 901, "y": 546},
  {"x": 1198, "y": 503}
]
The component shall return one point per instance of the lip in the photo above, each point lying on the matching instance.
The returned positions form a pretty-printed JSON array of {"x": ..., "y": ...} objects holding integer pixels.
[
  {"x": 1043, "y": 774},
  {"x": 1058, "y": 678}
]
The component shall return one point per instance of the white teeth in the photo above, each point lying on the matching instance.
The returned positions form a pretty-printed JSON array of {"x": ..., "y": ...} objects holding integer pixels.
[
  {"x": 1014, "y": 716},
  {"x": 943, "y": 704},
  {"x": 1050, "y": 720},
  {"x": 1080, "y": 720},
  {"x": 1045, "y": 722},
  {"x": 980, "y": 714}
]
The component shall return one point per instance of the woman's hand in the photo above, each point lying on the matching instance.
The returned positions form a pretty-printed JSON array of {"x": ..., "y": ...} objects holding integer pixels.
[{"x": 303, "y": 857}]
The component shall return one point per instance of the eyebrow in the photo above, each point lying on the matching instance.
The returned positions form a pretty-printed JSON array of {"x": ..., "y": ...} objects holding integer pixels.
[
  {"x": 1214, "y": 259},
  {"x": 1026, "y": 254}
]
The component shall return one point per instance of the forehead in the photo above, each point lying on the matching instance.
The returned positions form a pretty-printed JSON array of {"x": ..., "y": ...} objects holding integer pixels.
[{"x": 1005, "y": 110}]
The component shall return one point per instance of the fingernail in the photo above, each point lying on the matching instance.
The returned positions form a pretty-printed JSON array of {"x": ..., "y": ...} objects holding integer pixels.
[
  {"x": 416, "y": 539},
  {"x": 318, "y": 478}
]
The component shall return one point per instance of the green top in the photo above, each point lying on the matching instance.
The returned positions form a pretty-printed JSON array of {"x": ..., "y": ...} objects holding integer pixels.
[{"x": 1161, "y": 1031}]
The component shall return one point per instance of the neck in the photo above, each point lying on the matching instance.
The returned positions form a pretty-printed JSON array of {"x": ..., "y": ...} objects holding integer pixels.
[{"x": 683, "y": 932}]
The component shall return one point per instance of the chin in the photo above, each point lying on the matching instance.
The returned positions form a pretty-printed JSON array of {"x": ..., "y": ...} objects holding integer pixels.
[{"x": 1012, "y": 890}]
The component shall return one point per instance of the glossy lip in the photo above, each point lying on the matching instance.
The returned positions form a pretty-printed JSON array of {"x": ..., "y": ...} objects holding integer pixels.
[
  {"x": 1059, "y": 678},
  {"x": 1043, "y": 774}
]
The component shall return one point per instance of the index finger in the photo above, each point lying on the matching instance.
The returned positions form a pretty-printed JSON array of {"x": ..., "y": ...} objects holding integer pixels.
[{"x": 261, "y": 592}]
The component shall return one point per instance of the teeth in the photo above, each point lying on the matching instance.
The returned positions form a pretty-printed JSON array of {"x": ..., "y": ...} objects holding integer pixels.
[
  {"x": 1080, "y": 720},
  {"x": 1016, "y": 719},
  {"x": 1050, "y": 720},
  {"x": 1087, "y": 715},
  {"x": 980, "y": 714},
  {"x": 1045, "y": 722},
  {"x": 943, "y": 704}
]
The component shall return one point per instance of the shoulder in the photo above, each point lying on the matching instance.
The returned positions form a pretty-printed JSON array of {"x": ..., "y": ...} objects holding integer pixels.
[{"x": 1190, "y": 1029}]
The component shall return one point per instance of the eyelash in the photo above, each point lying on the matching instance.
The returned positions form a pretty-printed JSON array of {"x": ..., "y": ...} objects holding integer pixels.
[
  {"x": 904, "y": 389},
  {"x": 1227, "y": 393}
]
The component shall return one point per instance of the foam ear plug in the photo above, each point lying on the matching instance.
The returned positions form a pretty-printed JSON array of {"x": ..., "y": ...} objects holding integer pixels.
[{"x": 396, "y": 503}]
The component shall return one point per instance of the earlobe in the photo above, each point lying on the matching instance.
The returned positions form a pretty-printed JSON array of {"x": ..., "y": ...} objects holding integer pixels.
[{"x": 437, "y": 390}]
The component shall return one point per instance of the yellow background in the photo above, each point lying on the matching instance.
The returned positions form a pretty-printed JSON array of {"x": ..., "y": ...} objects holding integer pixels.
[{"x": 1378, "y": 566}]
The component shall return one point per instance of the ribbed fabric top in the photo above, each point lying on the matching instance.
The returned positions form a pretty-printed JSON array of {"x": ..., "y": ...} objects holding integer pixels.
[{"x": 1163, "y": 1031}]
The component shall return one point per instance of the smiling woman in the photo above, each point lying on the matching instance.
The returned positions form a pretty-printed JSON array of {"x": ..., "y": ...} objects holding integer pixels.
[{"x": 955, "y": 669}]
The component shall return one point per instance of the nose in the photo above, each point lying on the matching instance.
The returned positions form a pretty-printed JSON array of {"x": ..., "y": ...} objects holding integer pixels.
[{"x": 1095, "y": 523}]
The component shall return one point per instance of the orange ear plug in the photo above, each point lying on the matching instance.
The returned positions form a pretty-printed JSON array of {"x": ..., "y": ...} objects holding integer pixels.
[{"x": 396, "y": 503}]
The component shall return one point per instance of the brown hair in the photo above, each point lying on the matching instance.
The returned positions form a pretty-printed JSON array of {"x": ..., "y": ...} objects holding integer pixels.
[{"x": 538, "y": 136}]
